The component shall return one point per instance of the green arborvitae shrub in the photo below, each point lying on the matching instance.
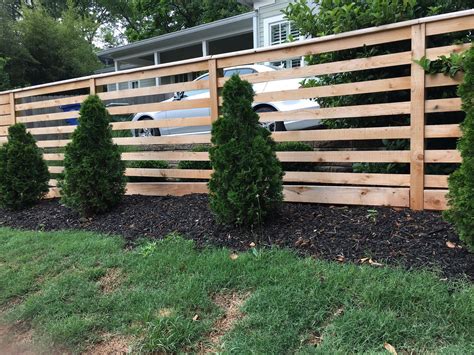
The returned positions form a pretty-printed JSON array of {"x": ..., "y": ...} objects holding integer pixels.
[
  {"x": 24, "y": 175},
  {"x": 247, "y": 181},
  {"x": 461, "y": 182},
  {"x": 94, "y": 179}
]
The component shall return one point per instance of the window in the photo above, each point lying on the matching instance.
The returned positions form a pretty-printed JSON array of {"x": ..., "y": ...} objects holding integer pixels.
[
  {"x": 279, "y": 31},
  {"x": 282, "y": 32}
]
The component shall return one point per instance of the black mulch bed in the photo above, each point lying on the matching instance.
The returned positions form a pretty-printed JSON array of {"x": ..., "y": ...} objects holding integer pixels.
[{"x": 347, "y": 234}]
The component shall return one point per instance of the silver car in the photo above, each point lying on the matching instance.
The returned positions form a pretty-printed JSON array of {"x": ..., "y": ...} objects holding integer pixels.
[{"x": 271, "y": 86}]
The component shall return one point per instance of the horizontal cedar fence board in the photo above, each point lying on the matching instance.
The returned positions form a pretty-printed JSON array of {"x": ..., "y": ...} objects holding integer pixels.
[
  {"x": 375, "y": 156},
  {"x": 435, "y": 80},
  {"x": 3, "y": 130},
  {"x": 316, "y": 47},
  {"x": 348, "y": 195},
  {"x": 442, "y": 156},
  {"x": 432, "y": 181},
  {"x": 5, "y": 120},
  {"x": 152, "y": 72},
  {"x": 166, "y": 188},
  {"x": 3, "y": 140},
  {"x": 185, "y": 139},
  {"x": 172, "y": 122},
  {"x": 53, "y": 193},
  {"x": 78, "y": 84},
  {"x": 168, "y": 155},
  {"x": 347, "y": 178},
  {"x": 51, "y": 103},
  {"x": 450, "y": 25},
  {"x": 443, "y": 131},
  {"x": 4, "y": 99},
  {"x": 381, "y": 61},
  {"x": 443, "y": 105},
  {"x": 55, "y": 169},
  {"x": 53, "y": 182},
  {"x": 435, "y": 52},
  {"x": 117, "y": 126},
  {"x": 358, "y": 111},
  {"x": 53, "y": 156},
  {"x": 159, "y": 106},
  {"x": 435, "y": 181},
  {"x": 48, "y": 117},
  {"x": 435, "y": 200},
  {"x": 5, "y": 109},
  {"x": 363, "y": 87},
  {"x": 155, "y": 90},
  {"x": 344, "y": 134},
  {"x": 169, "y": 173}
]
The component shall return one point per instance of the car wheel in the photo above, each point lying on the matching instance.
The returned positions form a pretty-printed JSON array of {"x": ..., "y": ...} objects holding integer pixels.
[
  {"x": 275, "y": 126},
  {"x": 147, "y": 132}
]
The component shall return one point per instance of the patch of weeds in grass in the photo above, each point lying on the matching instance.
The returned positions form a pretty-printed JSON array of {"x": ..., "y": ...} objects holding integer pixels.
[{"x": 166, "y": 301}]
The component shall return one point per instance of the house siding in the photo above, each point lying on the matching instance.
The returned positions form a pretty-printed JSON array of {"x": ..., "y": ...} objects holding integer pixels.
[{"x": 266, "y": 12}]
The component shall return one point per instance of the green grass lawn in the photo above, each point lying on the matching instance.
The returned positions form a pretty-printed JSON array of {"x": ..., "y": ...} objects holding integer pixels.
[{"x": 75, "y": 288}]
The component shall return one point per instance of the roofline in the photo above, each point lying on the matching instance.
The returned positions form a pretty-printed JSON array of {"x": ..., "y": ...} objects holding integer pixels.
[
  {"x": 369, "y": 30},
  {"x": 186, "y": 31}
]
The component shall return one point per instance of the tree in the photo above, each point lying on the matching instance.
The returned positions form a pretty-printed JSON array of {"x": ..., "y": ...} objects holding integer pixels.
[
  {"x": 461, "y": 182},
  {"x": 93, "y": 180},
  {"x": 147, "y": 18},
  {"x": 24, "y": 176},
  {"x": 57, "y": 49},
  {"x": 247, "y": 181}
]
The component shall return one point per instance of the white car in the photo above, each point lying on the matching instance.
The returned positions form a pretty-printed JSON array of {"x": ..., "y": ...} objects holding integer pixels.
[{"x": 272, "y": 86}]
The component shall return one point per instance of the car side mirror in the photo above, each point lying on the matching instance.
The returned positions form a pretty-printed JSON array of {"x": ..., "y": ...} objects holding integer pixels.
[{"x": 178, "y": 95}]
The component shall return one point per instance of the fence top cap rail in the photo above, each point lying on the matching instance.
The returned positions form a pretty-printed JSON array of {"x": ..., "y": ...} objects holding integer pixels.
[{"x": 337, "y": 36}]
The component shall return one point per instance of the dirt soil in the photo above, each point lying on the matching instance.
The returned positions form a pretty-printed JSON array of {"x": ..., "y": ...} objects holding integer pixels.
[{"x": 346, "y": 234}]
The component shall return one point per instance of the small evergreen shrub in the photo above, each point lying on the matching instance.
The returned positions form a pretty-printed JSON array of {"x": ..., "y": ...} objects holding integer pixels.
[
  {"x": 246, "y": 184},
  {"x": 196, "y": 164},
  {"x": 94, "y": 179},
  {"x": 461, "y": 182},
  {"x": 24, "y": 175},
  {"x": 295, "y": 147}
]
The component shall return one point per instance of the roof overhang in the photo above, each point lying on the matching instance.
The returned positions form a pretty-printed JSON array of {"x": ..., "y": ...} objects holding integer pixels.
[{"x": 214, "y": 30}]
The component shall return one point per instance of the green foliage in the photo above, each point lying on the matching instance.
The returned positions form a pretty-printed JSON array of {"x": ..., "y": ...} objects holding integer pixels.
[
  {"x": 247, "y": 181},
  {"x": 147, "y": 18},
  {"x": 446, "y": 65},
  {"x": 295, "y": 147},
  {"x": 24, "y": 175},
  {"x": 42, "y": 48},
  {"x": 461, "y": 182},
  {"x": 4, "y": 77},
  {"x": 94, "y": 178},
  {"x": 196, "y": 164}
]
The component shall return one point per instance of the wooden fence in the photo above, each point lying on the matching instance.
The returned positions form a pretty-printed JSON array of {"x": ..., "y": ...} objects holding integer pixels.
[{"x": 414, "y": 189}]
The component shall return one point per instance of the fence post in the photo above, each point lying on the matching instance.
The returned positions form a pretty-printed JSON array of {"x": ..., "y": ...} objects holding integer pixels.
[
  {"x": 214, "y": 89},
  {"x": 417, "y": 119},
  {"x": 12, "y": 108},
  {"x": 92, "y": 89}
]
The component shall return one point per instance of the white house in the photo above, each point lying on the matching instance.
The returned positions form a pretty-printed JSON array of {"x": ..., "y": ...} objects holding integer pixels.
[{"x": 265, "y": 25}]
